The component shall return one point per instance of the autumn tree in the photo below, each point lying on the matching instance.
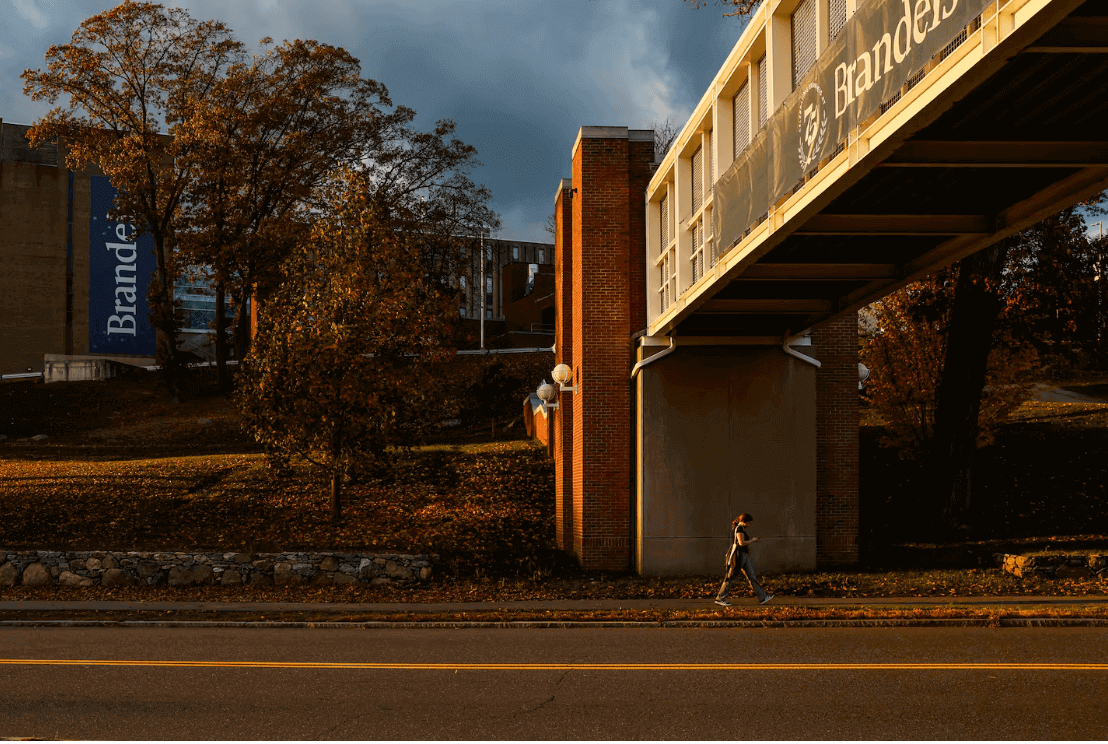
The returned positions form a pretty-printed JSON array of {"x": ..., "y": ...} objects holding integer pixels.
[
  {"x": 262, "y": 143},
  {"x": 906, "y": 357},
  {"x": 1097, "y": 306},
  {"x": 1036, "y": 285},
  {"x": 950, "y": 357},
  {"x": 343, "y": 365},
  {"x": 127, "y": 80}
]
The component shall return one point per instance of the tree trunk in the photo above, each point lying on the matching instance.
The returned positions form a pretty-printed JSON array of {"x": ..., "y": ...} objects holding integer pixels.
[
  {"x": 336, "y": 497},
  {"x": 241, "y": 333},
  {"x": 221, "y": 338},
  {"x": 973, "y": 319},
  {"x": 164, "y": 319},
  {"x": 337, "y": 473}
]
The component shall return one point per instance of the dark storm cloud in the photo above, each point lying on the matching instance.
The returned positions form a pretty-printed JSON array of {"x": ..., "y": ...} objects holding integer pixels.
[{"x": 519, "y": 78}]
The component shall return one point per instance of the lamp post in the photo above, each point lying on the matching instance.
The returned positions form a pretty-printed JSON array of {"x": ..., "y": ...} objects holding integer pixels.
[
  {"x": 481, "y": 295},
  {"x": 562, "y": 374},
  {"x": 546, "y": 393},
  {"x": 1100, "y": 355}
]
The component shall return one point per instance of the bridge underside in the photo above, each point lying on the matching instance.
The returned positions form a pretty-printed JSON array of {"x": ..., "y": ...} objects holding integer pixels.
[{"x": 964, "y": 166}]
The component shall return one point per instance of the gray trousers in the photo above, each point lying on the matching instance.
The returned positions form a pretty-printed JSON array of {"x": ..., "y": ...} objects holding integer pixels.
[{"x": 747, "y": 567}]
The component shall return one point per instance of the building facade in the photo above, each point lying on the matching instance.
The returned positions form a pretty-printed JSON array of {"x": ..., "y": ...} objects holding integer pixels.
[
  {"x": 516, "y": 299},
  {"x": 76, "y": 281}
]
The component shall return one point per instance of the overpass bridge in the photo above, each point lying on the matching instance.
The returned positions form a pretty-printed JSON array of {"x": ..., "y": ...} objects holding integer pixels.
[
  {"x": 986, "y": 118},
  {"x": 842, "y": 151}
]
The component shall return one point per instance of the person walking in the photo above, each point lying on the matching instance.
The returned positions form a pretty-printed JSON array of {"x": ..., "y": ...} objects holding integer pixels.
[{"x": 738, "y": 559}]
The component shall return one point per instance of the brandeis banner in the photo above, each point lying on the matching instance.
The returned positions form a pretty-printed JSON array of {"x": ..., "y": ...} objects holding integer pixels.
[
  {"x": 882, "y": 45},
  {"x": 120, "y": 268}
]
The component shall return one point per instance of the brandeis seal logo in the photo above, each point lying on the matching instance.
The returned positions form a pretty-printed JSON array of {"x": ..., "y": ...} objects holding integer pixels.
[{"x": 812, "y": 122}]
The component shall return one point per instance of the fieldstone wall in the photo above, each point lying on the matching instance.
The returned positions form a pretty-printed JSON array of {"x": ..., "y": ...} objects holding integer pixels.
[
  {"x": 1054, "y": 566},
  {"x": 111, "y": 568}
]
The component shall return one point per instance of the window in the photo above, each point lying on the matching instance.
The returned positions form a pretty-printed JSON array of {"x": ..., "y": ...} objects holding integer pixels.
[
  {"x": 532, "y": 269},
  {"x": 804, "y": 39},
  {"x": 697, "y": 178},
  {"x": 666, "y": 264},
  {"x": 666, "y": 268},
  {"x": 462, "y": 311},
  {"x": 667, "y": 224},
  {"x": 488, "y": 284},
  {"x": 488, "y": 314},
  {"x": 740, "y": 114},
  {"x": 836, "y": 18},
  {"x": 703, "y": 247},
  {"x": 763, "y": 101},
  {"x": 462, "y": 282},
  {"x": 488, "y": 253},
  {"x": 515, "y": 252},
  {"x": 697, "y": 250},
  {"x": 542, "y": 255}
]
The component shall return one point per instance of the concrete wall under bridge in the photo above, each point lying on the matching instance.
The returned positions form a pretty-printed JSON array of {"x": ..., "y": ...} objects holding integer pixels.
[{"x": 726, "y": 430}]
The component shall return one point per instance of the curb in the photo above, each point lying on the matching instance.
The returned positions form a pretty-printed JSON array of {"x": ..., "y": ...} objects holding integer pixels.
[{"x": 1074, "y": 622}]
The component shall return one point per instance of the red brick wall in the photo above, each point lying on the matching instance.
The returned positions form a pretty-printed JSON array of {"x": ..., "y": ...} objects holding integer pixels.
[
  {"x": 836, "y": 346},
  {"x": 536, "y": 422},
  {"x": 608, "y": 305}
]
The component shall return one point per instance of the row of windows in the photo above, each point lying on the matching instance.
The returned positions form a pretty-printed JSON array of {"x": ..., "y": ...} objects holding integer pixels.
[
  {"x": 805, "y": 29},
  {"x": 704, "y": 254},
  {"x": 515, "y": 253},
  {"x": 468, "y": 275}
]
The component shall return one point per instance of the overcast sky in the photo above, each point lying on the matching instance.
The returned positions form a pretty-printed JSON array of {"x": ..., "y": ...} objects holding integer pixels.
[{"x": 519, "y": 77}]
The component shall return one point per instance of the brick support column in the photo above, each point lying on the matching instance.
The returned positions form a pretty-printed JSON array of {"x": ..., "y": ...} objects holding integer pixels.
[
  {"x": 837, "y": 441},
  {"x": 611, "y": 167},
  {"x": 562, "y": 438}
]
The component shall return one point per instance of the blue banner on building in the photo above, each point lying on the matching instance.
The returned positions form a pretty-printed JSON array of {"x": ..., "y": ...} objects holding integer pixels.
[{"x": 120, "y": 269}]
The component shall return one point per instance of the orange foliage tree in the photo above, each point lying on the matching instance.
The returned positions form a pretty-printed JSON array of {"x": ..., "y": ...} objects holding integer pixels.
[
  {"x": 126, "y": 80},
  {"x": 262, "y": 143},
  {"x": 906, "y": 356},
  {"x": 951, "y": 355},
  {"x": 343, "y": 365}
]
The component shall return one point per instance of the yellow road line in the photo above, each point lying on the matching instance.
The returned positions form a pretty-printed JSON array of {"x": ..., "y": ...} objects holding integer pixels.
[{"x": 1048, "y": 666}]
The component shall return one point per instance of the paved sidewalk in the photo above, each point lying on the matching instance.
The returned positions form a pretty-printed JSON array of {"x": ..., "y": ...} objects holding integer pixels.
[{"x": 562, "y": 605}]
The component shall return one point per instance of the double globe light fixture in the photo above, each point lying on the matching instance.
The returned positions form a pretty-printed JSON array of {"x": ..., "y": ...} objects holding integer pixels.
[{"x": 547, "y": 392}]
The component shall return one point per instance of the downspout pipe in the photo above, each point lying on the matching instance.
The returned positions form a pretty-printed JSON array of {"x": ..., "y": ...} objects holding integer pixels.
[
  {"x": 655, "y": 357},
  {"x": 794, "y": 353}
]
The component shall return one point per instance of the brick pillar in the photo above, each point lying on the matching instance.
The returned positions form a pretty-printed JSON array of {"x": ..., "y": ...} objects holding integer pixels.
[
  {"x": 562, "y": 438},
  {"x": 837, "y": 441},
  {"x": 611, "y": 167}
]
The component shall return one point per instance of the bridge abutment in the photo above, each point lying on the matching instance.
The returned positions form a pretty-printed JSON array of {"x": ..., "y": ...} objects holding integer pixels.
[{"x": 649, "y": 471}]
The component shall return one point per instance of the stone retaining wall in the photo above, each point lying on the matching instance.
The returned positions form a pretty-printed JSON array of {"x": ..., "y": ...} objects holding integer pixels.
[
  {"x": 111, "y": 568},
  {"x": 1054, "y": 566}
]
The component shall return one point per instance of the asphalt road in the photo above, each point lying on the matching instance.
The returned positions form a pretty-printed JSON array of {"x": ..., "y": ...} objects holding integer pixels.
[{"x": 856, "y": 683}]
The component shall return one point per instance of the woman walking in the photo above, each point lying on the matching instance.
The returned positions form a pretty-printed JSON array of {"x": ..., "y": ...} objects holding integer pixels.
[{"x": 738, "y": 559}]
